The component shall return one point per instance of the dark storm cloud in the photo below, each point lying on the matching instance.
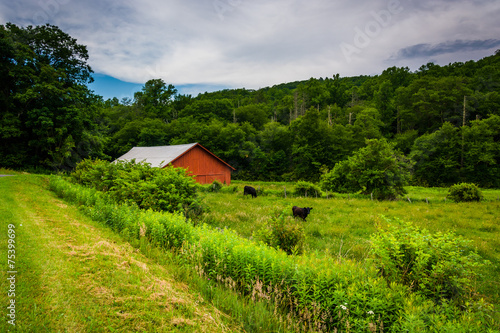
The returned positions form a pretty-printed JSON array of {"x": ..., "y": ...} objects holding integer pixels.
[{"x": 430, "y": 50}]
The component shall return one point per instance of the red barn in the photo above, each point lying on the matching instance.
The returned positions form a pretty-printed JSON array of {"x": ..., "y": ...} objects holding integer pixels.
[{"x": 205, "y": 166}]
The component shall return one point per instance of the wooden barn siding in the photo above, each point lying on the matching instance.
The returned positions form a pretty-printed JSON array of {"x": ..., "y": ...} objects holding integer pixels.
[{"x": 204, "y": 166}]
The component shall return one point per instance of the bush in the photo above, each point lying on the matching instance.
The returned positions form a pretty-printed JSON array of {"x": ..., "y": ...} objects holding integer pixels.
[
  {"x": 438, "y": 266},
  {"x": 376, "y": 169},
  {"x": 215, "y": 186},
  {"x": 98, "y": 174},
  {"x": 464, "y": 192},
  {"x": 283, "y": 233},
  {"x": 230, "y": 189},
  {"x": 169, "y": 189},
  {"x": 307, "y": 189}
]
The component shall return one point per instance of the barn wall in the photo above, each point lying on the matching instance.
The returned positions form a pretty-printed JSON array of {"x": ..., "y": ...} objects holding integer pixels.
[{"x": 204, "y": 166}]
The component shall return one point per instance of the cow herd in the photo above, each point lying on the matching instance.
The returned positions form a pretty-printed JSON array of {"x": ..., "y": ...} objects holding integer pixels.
[{"x": 297, "y": 211}]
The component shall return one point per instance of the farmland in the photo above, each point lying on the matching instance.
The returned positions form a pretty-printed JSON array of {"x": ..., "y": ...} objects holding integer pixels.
[
  {"x": 75, "y": 278},
  {"x": 341, "y": 225},
  {"x": 349, "y": 220}
]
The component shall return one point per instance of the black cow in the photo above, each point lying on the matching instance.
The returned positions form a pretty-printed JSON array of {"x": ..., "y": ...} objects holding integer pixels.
[
  {"x": 301, "y": 212},
  {"x": 250, "y": 190}
]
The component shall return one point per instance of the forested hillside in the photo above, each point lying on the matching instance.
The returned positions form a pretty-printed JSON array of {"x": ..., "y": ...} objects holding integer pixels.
[{"x": 446, "y": 119}]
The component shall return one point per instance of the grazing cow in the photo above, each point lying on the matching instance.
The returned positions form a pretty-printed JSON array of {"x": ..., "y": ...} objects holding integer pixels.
[
  {"x": 301, "y": 212},
  {"x": 250, "y": 190}
]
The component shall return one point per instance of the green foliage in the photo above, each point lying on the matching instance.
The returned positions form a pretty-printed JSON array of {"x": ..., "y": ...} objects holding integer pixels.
[
  {"x": 255, "y": 114},
  {"x": 283, "y": 233},
  {"x": 428, "y": 102},
  {"x": 310, "y": 149},
  {"x": 436, "y": 266},
  {"x": 204, "y": 110},
  {"x": 97, "y": 173},
  {"x": 404, "y": 141},
  {"x": 143, "y": 132},
  {"x": 285, "y": 132},
  {"x": 48, "y": 114},
  {"x": 215, "y": 186},
  {"x": 367, "y": 125},
  {"x": 437, "y": 156},
  {"x": 376, "y": 169},
  {"x": 305, "y": 189},
  {"x": 168, "y": 189},
  {"x": 156, "y": 99},
  {"x": 464, "y": 192},
  {"x": 481, "y": 160}
]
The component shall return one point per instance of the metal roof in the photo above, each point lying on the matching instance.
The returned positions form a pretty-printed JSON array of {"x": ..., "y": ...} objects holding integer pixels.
[
  {"x": 158, "y": 156},
  {"x": 161, "y": 156}
]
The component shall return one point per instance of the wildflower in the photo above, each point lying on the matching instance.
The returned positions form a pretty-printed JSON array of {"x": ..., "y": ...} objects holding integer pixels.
[
  {"x": 370, "y": 312},
  {"x": 343, "y": 307}
]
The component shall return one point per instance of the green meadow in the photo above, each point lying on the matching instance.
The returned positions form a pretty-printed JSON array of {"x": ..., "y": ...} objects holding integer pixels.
[
  {"x": 341, "y": 225},
  {"x": 77, "y": 275}
]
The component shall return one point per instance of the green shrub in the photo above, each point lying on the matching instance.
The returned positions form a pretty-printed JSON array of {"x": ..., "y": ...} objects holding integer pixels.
[
  {"x": 376, "y": 169},
  {"x": 283, "y": 233},
  {"x": 230, "y": 189},
  {"x": 169, "y": 189},
  {"x": 464, "y": 192},
  {"x": 194, "y": 209},
  {"x": 439, "y": 266},
  {"x": 215, "y": 186},
  {"x": 98, "y": 174},
  {"x": 303, "y": 188}
]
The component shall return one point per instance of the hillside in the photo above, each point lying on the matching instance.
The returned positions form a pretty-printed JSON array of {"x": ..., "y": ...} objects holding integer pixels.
[{"x": 445, "y": 119}]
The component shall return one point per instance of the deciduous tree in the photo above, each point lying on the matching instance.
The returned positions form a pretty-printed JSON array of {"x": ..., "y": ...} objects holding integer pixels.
[
  {"x": 48, "y": 116},
  {"x": 376, "y": 169}
]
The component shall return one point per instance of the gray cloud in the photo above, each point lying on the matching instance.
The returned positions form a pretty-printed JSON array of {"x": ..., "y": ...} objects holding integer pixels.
[
  {"x": 431, "y": 50},
  {"x": 252, "y": 44}
]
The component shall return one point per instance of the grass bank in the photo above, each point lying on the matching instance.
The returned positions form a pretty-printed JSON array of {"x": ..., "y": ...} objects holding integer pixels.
[{"x": 74, "y": 275}]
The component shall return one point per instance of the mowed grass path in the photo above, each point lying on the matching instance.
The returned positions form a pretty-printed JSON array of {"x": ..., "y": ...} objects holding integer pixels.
[{"x": 74, "y": 275}]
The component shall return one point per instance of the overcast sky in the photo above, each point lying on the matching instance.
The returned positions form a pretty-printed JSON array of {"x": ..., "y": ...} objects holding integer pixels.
[{"x": 214, "y": 44}]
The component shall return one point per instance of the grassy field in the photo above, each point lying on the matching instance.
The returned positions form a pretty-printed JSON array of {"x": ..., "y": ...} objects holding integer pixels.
[
  {"x": 341, "y": 226},
  {"x": 73, "y": 275}
]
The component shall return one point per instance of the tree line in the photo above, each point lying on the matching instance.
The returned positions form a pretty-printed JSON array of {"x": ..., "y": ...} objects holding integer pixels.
[{"x": 444, "y": 119}]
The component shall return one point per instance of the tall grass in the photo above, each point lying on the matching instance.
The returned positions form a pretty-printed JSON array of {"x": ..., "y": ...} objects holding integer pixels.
[{"x": 340, "y": 226}]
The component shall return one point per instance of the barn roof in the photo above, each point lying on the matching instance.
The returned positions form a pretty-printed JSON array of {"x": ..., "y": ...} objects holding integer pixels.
[{"x": 161, "y": 156}]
